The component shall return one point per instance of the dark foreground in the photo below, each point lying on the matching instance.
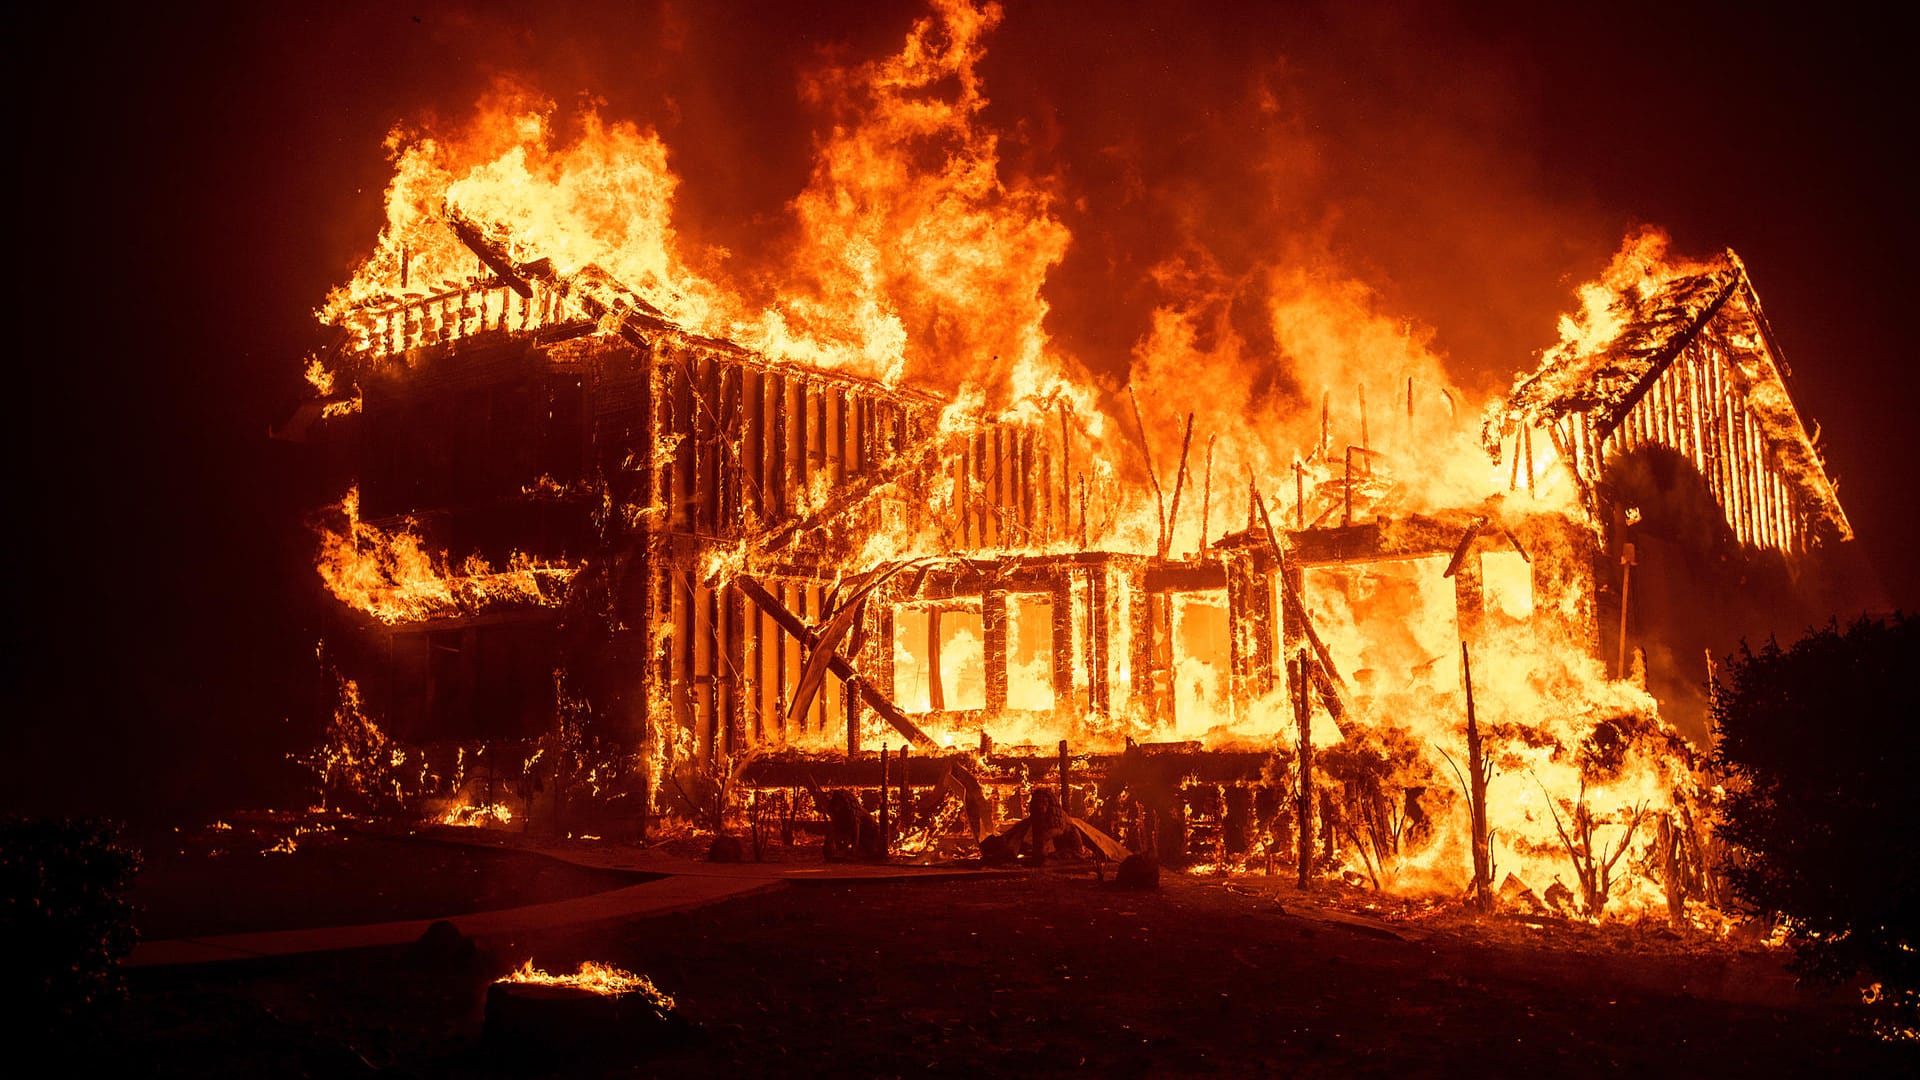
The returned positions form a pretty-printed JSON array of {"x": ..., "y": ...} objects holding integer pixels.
[{"x": 1029, "y": 975}]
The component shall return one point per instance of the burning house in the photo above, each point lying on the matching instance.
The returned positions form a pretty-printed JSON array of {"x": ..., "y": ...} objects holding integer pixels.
[
  {"x": 607, "y": 541},
  {"x": 571, "y": 512}
]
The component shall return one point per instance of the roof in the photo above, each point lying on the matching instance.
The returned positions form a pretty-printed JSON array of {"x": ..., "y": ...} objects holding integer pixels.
[
  {"x": 1655, "y": 326},
  {"x": 1715, "y": 303}
]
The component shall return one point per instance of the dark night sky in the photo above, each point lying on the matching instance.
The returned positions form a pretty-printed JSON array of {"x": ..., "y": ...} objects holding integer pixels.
[{"x": 191, "y": 184}]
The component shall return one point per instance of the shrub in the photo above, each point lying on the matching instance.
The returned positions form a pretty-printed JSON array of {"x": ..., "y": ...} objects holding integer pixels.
[
  {"x": 65, "y": 914},
  {"x": 1817, "y": 748}
]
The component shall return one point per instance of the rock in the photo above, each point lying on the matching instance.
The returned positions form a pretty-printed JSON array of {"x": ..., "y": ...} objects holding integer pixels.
[
  {"x": 1137, "y": 872},
  {"x": 998, "y": 850},
  {"x": 443, "y": 946},
  {"x": 1514, "y": 895},
  {"x": 535, "y": 1022},
  {"x": 727, "y": 849}
]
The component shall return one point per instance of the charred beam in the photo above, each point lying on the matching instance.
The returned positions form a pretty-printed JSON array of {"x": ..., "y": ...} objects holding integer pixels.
[{"x": 875, "y": 700}]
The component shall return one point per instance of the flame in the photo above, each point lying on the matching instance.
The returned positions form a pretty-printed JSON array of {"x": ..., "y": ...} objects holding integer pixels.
[
  {"x": 905, "y": 267},
  {"x": 392, "y": 577},
  {"x": 603, "y": 979},
  {"x": 1643, "y": 264},
  {"x": 896, "y": 259}
]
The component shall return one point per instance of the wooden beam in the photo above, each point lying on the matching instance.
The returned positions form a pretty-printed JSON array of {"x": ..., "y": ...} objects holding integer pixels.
[
  {"x": 993, "y": 620},
  {"x": 1179, "y": 483},
  {"x": 1326, "y": 677},
  {"x": 878, "y": 702}
]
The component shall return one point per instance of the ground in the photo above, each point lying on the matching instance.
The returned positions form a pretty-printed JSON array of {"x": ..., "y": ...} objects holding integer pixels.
[
  {"x": 232, "y": 880},
  {"x": 1042, "y": 972}
]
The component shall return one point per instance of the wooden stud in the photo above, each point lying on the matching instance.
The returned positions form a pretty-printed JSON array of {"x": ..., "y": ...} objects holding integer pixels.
[
  {"x": 738, "y": 686},
  {"x": 993, "y": 620},
  {"x": 1098, "y": 638},
  {"x": 1063, "y": 666}
]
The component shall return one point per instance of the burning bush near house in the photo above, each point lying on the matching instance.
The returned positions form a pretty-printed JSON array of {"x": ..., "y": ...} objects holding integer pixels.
[{"x": 647, "y": 541}]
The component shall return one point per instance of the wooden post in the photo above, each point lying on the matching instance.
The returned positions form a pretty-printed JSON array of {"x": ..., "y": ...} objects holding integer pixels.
[
  {"x": 1179, "y": 482},
  {"x": 1469, "y": 594},
  {"x": 936, "y": 692},
  {"x": 1153, "y": 473},
  {"x": 852, "y": 697},
  {"x": 1063, "y": 777},
  {"x": 1299, "y": 495},
  {"x": 1477, "y": 796},
  {"x": 1346, "y": 514},
  {"x": 1083, "y": 511},
  {"x": 1062, "y": 639},
  {"x": 906, "y": 790},
  {"x": 1206, "y": 496},
  {"x": 1326, "y": 406},
  {"x": 886, "y": 830},
  {"x": 1626, "y": 574},
  {"x": 1303, "y": 764},
  {"x": 993, "y": 624},
  {"x": 1099, "y": 687},
  {"x": 1526, "y": 435},
  {"x": 1066, "y": 474},
  {"x": 1670, "y": 874},
  {"x": 737, "y": 687}
]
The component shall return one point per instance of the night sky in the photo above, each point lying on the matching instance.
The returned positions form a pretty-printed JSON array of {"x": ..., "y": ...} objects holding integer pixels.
[{"x": 192, "y": 184}]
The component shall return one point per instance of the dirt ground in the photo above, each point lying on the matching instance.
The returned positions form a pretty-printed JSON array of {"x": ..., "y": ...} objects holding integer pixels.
[
  {"x": 233, "y": 880},
  {"x": 1035, "y": 974}
]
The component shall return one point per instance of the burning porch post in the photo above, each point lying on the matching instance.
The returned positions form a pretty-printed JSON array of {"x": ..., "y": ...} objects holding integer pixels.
[
  {"x": 886, "y": 830},
  {"x": 1303, "y": 767},
  {"x": 1477, "y": 795}
]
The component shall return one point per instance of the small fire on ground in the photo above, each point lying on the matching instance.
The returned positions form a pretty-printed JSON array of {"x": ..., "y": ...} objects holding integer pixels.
[{"x": 603, "y": 979}]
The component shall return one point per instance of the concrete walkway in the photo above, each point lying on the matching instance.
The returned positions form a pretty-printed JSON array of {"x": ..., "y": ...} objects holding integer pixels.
[{"x": 688, "y": 884}]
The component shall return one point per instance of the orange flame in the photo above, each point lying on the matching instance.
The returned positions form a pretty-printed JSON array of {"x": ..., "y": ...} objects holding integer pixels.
[
  {"x": 603, "y": 979},
  {"x": 392, "y": 577}
]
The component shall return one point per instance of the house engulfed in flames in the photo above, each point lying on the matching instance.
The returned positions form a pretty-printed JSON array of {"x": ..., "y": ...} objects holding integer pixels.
[{"x": 589, "y": 554}]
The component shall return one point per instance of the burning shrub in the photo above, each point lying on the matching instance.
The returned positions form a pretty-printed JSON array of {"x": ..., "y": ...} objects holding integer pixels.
[
  {"x": 1382, "y": 777},
  {"x": 64, "y": 910},
  {"x": 355, "y": 767},
  {"x": 1816, "y": 748}
]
